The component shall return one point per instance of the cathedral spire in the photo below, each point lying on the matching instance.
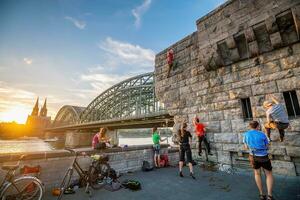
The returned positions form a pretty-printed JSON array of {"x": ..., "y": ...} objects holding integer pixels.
[
  {"x": 43, "y": 112},
  {"x": 35, "y": 110}
]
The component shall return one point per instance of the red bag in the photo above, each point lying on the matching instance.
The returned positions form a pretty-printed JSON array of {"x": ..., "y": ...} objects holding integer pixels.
[
  {"x": 164, "y": 160},
  {"x": 30, "y": 170}
]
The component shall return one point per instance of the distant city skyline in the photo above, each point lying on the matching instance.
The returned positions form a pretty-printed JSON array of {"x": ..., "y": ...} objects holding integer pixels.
[{"x": 70, "y": 51}]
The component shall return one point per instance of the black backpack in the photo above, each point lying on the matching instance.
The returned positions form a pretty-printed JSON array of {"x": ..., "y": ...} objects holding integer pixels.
[
  {"x": 146, "y": 166},
  {"x": 132, "y": 184}
]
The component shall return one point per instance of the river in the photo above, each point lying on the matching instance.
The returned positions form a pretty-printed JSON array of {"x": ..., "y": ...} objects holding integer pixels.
[{"x": 39, "y": 145}]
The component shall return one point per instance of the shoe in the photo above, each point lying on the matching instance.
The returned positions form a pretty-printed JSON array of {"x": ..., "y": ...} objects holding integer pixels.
[
  {"x": 270, "y": 197},
  {"x": 262, "y": 197},
  {"x": 180, "y": 174},
  {"x": 192, "y": 175},
  {"x": 199, "y": 153}
]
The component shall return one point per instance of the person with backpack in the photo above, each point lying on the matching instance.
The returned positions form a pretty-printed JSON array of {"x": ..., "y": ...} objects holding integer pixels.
[
  {"x": 184, "y": 138},
  {"x": 100, "y": 140},
  {"x": 200, "y": 132},
  {"x": 156, "y": 146},
  {"x": 257, "y": 143}
]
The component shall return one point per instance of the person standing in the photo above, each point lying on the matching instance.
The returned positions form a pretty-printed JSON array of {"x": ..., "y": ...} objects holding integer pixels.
[
  {"x": 200, "y": 132},
  {"x": 277, "y": 117},
  {"x": 184, "y": 138},
  {"x": 156, "y": 146},
  {"x": 257, "y": 143}
]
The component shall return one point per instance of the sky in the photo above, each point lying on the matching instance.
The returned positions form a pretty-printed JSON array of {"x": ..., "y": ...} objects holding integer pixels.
[{"x": 69, "y": 51}]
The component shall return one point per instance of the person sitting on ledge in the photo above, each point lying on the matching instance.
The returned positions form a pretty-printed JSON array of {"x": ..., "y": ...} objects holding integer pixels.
[
  {"x": 257, "y": 142},
  {"x": 200, "y": 132},
  {"x": 100, "y": 140},
  {"x": 276, "y": 117}
]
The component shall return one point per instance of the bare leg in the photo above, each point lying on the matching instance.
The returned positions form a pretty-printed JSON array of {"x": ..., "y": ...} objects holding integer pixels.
[
  {"x": 191, "y": 167},
  {"x": 269, "y": 181},
  {"x": 155, "y": 161},
  {"x": 158, "y": 160},
  {"x": 180, "y": 166},
  {"x": 258, "y": 180}
]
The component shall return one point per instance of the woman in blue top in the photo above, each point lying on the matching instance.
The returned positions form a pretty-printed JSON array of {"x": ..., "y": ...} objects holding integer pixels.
[{"x": 257, "y": 143}]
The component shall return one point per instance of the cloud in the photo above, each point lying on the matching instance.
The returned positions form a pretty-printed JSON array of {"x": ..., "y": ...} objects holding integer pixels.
[
  {"x": 126, "y": 53},
  {"x": 138, "y": 11},
  {"x": 79, "y": 24},
  {"x": 28, "y": 61}
]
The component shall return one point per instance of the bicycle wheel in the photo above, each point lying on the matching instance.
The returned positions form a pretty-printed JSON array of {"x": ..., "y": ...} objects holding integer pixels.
[
  {"x": 23, "y": 188},
  {"x": 65, "y": 183},
  {"x": 99, "y": 175}
]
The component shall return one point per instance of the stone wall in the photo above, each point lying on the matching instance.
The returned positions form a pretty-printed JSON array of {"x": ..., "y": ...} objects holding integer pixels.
[
  {"x": 54, "y": 164},
  {"x": 243, "y": 49}
]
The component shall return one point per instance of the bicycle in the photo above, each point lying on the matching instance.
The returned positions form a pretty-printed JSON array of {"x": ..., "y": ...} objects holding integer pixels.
[
  {"x": 95, "y": 177},
  {"x": 23, "y": 188}
]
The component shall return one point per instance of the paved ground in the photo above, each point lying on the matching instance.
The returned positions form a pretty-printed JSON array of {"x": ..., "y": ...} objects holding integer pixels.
[{"x": 166, "y": 184}]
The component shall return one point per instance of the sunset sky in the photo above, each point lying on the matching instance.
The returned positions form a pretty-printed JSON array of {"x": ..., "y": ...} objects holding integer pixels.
[{"x": 71, "y": 50}]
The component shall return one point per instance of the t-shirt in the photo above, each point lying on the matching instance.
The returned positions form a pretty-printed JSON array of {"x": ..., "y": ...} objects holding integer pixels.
[
  {"x": 155, "y": 138},
  {"x": 199, "y": 129},
  {"x": 185, "y": 138},
  {"x": 278, "y": 113},
  {"x": 257, "y": 142},
  {"x": 95, "y": 141}
]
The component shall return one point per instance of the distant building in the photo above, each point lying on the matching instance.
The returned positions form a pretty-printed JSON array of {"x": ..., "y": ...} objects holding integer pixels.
[{"x": 38, "y": 120}]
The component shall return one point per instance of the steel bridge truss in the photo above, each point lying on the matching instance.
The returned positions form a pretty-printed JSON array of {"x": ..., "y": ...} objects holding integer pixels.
[{"x": 132, "y": 97}]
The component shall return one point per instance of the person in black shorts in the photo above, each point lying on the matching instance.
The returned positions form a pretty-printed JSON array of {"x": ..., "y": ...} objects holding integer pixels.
[
  {"x": 184, "y": 137},
  {"x": 257, "y": 143}
]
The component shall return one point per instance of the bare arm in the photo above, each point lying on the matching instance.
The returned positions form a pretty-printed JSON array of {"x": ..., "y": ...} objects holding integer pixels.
[
  {"x": 246, "y": 147},
  {"x": 274, "y": 99}
]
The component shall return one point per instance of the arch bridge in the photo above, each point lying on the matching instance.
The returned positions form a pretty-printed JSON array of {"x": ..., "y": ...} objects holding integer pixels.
[{"x": 128, "y": 104}]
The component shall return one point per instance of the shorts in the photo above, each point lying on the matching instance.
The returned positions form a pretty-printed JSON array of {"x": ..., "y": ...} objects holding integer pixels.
[
  {"x": 156, "y": 148},
  {"x": 185, "y": 149},
  {"x": 260, "y": 161}
]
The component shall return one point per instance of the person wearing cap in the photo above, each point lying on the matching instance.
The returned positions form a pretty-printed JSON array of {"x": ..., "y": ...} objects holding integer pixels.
[
  {"x": 277, "y": 117},
  {"x": 200, "y": 132}
]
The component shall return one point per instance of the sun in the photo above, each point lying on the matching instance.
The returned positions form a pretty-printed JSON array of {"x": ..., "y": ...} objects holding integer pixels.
[{"x": 17, "y": 113}]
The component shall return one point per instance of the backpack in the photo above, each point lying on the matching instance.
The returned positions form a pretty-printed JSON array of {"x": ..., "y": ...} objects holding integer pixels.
[
  {"x": 132, "y": 184},
  {"x": 146, "y": 166}
]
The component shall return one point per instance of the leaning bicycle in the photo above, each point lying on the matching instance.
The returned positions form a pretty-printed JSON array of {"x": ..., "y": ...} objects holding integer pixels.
[
  {"x": 23, "y": 188},
  {"x": 95, "y": 177}
]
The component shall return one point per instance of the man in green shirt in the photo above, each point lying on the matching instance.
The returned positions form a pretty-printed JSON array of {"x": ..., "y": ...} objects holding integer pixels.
[{"x": 156, "y": 146}]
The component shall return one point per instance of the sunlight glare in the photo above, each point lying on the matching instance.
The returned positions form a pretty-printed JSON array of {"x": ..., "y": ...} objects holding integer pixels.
[{"x": 18, "y": 114}]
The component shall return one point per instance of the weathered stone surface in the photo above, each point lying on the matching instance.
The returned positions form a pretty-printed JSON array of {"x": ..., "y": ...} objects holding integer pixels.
[
  {"x": 264, "y": 88},
  {"x": 293, "y": 151},
  {"x": 239, "y": 125},
  {"x": 284, "y": 168},
  {"x": 226, "y": 126},
  {"x": 288, "y": 84},
  {"x": 239, "y": 93},
  {"x": 253, "y": 48},
  {"x": 276, "y": 40},
  {"x": 226, "y": 137},
  {"x": 277, "y": 150},
  {"x": 213, "y": 126},
  {"x": 276, "y": 76},
  {"x": 224, "y": 157},
  {"x": 216, "y": 115},
  {"x": 235, "y": 113},
  {"x": 270, "y": 67},
  {"x": 232, "y": 147},
  {"x": 290, "y": 62}
]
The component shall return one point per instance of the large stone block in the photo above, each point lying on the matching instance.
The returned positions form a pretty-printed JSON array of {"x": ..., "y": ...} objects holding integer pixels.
[
  {"x": 216, "y": 116},
  {"x": 293, "y": 151},
  {"x": 290, "y": 62},
  {"x": 284, "y": 168},
  {"x": 276, "y": 40},
  {"x": 226, "y": 137},
  {"x": 277, "y": 76},
  {"x": 226, "y": 126},
  {"x": 213, "y": 126},
  {"x": 235, "y": 113},
  {"x": 239, "y": 125},
  {"x": 232, "y": 147},
  {"x": 239, "y": 93},
  {"x": 270, "y": 67},
  {"x": 224, "y": 157},
  {"x": 227, "y": 105},
  {"x": 288, "y": 84},
  {"x": 264, "y": 88}
]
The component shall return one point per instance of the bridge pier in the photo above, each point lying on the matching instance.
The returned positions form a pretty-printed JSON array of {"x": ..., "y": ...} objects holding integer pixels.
[{"x": 75, "y": 139}]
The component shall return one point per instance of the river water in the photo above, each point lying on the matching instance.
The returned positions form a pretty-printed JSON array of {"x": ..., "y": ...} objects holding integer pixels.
[{"x": 38, "y": 145}]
